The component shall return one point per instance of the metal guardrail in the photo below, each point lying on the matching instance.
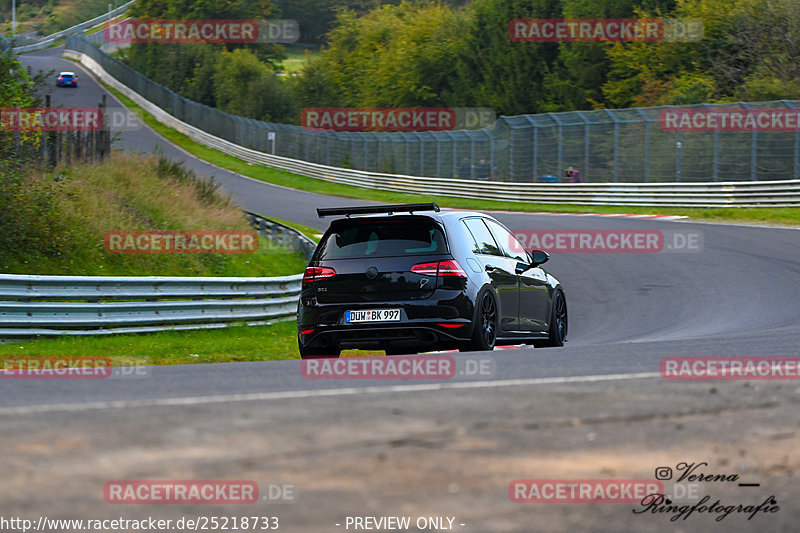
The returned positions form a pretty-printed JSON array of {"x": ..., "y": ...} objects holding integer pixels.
[
  {"x": 78, "y": 28},
  {"x": 282, "y": 235},
  {"x": 783, "y": 193},
  {"x": 102, "y": 305}
]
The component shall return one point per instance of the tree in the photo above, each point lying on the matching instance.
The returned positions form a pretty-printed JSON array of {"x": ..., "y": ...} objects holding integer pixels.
[
  {"x": 394, "y": 56},
  {"x": 245, "y": 86},
  {"x": 494, "y": 71}
]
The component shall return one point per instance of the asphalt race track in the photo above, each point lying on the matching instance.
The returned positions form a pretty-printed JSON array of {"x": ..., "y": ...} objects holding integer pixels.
[{"x": 595, "y": 409}]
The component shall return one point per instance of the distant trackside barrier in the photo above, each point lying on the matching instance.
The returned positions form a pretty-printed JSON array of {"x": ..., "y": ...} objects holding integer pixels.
[{"x": 144, "y": 92}]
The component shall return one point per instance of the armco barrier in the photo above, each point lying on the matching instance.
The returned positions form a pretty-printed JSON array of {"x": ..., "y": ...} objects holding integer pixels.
[
  {"x": 101, "y": 305},
  {"x": 281, "y": 234},
  {"x": 783, "y": 193}
]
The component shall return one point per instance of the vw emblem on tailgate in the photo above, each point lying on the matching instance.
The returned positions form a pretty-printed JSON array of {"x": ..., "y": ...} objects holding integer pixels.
[{"x": 372, "y": 273}]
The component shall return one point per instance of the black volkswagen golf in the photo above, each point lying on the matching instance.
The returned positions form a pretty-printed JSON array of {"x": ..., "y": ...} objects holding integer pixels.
[{"x": 410, "y": 278}]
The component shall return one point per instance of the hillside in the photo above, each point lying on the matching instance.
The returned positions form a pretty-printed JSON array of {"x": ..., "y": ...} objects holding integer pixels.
[{"x": 54, "y": 222}]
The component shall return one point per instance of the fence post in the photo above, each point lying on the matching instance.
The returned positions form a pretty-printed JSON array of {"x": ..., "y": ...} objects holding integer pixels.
[
  {"x": 421, "y": 155},
  {"x": 753, "y": 148},
  {"x": 585, "y": 171},
  {"x": 560, "y": 150},
  {"x": 796, "y": 168},
  {"x": 105, "y": 138}
]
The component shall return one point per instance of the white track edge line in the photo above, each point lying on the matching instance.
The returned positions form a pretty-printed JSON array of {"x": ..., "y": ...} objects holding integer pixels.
[{"x": 348, "y": 391}]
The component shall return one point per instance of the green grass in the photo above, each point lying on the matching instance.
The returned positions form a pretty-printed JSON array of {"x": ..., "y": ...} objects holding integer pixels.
[
  {"x": 297, "y": 57},
  {"x": 311, "y": 233},
  {"x": 277, "y": 341},
  {"x": 237, "y": 343},
  {"x": 765, "y": 215},
  {"x": 127, "y": 192}
]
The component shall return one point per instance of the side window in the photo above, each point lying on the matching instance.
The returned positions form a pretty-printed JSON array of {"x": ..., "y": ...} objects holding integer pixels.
[
  {"x": 485, "y": 243},
  {"x": 508, "y": 243}
]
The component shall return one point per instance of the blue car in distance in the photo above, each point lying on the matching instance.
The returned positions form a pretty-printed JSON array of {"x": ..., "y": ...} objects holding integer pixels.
[{"x": 67, "y": 79}]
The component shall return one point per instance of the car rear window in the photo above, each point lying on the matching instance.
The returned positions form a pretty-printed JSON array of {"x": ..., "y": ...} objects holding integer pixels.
[{"x": 382, "y": 238}]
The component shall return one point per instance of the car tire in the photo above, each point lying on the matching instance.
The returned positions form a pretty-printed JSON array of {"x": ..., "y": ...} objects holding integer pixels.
[
  {"x": 484, "y": 334},
  {"x": 557, "y": 334}
]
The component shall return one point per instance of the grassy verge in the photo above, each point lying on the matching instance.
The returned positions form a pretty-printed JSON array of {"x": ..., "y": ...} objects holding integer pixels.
[
  {"x": 273, "y": 342},
  {"x": 766, "y": 215},
  {"x": 238, "y": 343},
  {"x": 311, "y": 233},
  {"x": 57, "y": 221}
]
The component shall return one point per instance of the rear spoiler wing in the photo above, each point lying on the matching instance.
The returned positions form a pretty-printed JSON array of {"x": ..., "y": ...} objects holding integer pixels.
[{"x": 372, "y": 209}]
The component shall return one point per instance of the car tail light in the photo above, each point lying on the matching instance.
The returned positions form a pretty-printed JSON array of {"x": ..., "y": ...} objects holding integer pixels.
[
  {"x": 426, "y": 269},
  {"x": 313, "y": 274},
  {"x": 451, "y": 326},
  {"x": 60, "y": 79},
  {"x": 440, "y": 268},
  {"x": 451, "y": 268}
]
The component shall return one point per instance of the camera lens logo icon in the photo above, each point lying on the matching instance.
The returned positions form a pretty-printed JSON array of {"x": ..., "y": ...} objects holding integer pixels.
[{"x": 663, "y": 473}]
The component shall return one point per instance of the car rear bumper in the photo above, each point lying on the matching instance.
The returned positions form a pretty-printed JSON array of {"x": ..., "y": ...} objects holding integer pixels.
[
  {"x": 365, "y": 336},
  {"x": 443, "y": 320}
]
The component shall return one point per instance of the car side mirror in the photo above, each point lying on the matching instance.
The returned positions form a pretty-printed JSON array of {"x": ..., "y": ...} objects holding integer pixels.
[{"x": 540, "y": 257}]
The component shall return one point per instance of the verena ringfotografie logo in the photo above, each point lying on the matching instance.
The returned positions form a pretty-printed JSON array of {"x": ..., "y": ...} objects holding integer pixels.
[
  {"x": 202, "y": 31},
  {"x": 730, "y": 368},
  {"x": 181, "y": 242},
  {"x": 619, "y": 241},
  {"x": 51, "y": 119},
  {"x": 197, "y": 492},
  {"x": 396, "y": 118},
  {"x": 599, "y": 30},
  {"x": 729, "y": 120},
  {"x": 583, "y": 490},
  {"x": 72, "y": 367}
]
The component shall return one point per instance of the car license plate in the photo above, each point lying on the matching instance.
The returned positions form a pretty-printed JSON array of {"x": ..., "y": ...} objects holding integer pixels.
[{"x": 372, "y": 315}]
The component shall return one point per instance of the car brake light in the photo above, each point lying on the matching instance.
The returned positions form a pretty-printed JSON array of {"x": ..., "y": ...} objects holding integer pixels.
[
  {"x": 440, "y": 268},
  {"x": 313, "y": 274},
  {"x": 426, "y": 269},
  {"x": 451, "y": 326},
  {"x": 60, "y": 79},
  {"x": 451, "y": 268}
]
